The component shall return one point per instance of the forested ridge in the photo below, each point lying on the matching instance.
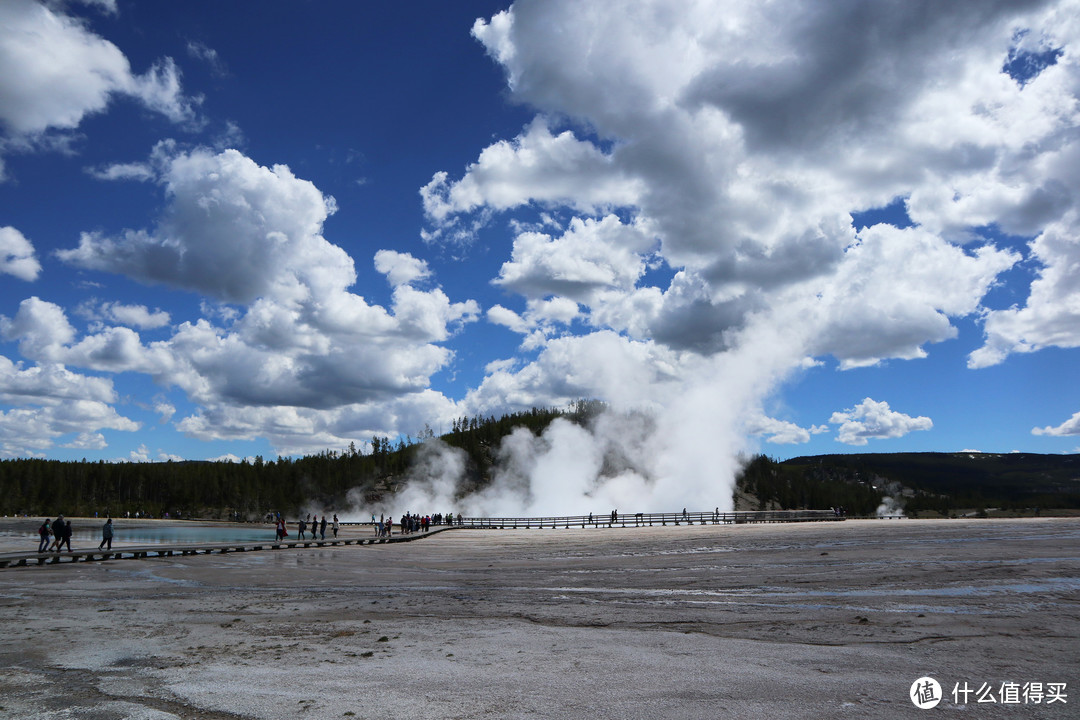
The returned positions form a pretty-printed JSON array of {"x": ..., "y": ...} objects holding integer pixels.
[
  {"x": 773, "y": 485},
  {"x": 250, "y": 490},
  {"x": 945, "y": 483},
  {"x": 918, "y": 482}
]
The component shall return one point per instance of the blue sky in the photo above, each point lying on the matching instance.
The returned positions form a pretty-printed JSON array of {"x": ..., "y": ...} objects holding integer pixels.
[{"x": 238, "y": 229}]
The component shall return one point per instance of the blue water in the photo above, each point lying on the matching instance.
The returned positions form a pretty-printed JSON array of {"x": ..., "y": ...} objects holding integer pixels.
[{"x": 83, "y": 536}]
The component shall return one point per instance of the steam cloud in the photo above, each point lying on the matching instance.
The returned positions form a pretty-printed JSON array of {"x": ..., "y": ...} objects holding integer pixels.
[{"x": 662, "y": 447}]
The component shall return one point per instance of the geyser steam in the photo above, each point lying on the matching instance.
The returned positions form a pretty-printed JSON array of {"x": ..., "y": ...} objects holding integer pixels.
[{"x": 660, "y": 446}]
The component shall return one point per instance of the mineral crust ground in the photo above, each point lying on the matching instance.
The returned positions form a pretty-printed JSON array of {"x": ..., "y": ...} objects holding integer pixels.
[{"x": 818, "y": 620}]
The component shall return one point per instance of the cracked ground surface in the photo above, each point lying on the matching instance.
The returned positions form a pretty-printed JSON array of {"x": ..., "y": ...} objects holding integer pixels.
[{"x": 778, "y": 621}]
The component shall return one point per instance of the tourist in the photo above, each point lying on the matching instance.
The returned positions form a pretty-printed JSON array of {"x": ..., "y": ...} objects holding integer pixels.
[
  {"x": 66, "y": 537},
  {"x": 58, "y": 533},
  {"x": 303, "y": 528},
  {"x": 322, "y": 528},
  {"x": 45, "y": 532},
  {"x": 106, "y": 534},
  {"x": 335, "y": 526}
]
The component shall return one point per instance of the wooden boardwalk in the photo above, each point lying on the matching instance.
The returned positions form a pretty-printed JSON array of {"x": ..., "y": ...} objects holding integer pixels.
[
  {"x": 632, "y": 520},
  {"x": 29, "y": 559}
]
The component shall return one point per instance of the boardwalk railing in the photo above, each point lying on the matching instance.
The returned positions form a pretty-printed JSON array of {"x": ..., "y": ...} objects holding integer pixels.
[{"x": 642, "y": 519}]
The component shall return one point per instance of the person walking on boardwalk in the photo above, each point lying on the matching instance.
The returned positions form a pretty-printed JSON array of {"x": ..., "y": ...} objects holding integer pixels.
[
  {"x": 58, "y": 533},
  {"x": 335, "y": 526},
  {"x": 66, "y": 540},
  {"x": 302, "y": 525},
  {"x": 106, "y": 535},
  {"x": 322, "y": 528},
  {"x": 45, "y": 533}
]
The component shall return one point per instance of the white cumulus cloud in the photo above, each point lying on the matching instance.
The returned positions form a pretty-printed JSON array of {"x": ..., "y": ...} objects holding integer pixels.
[
  {"x": 236, "y": 231},
  {"x": 17, "y": 255},
  {"x": 400, "y": 268},
  {"x": 56, "y": 72},
  {"x": 1069, "y": 427},
  {"x": 295, "y": 349},
  {"x": 537, "y": 166},
  {"x": 591, "y": 256},
  {"x": 1051, "y": 315},
  {"x": 873, "y": 420},
  {"x": 49, "y": 401}
]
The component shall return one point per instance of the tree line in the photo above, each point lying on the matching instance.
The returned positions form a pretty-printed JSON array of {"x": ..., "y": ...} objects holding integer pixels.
[
  {"x": 782, "y": 486},
  {"x": 947, "y": 483},
  {"x": 252, "y": 489}
]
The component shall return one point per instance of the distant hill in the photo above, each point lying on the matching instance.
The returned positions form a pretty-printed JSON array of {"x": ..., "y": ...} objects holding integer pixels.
[{"x": 946, "y": 482}]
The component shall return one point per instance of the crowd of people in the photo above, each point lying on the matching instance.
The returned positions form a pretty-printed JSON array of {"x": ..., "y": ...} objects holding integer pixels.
[
  {"x": 409, "y": 523},
  {"x": 382, "y": 527},
  {"x": 55, "y": 535},
  {"x": 302, "y": 526}
]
